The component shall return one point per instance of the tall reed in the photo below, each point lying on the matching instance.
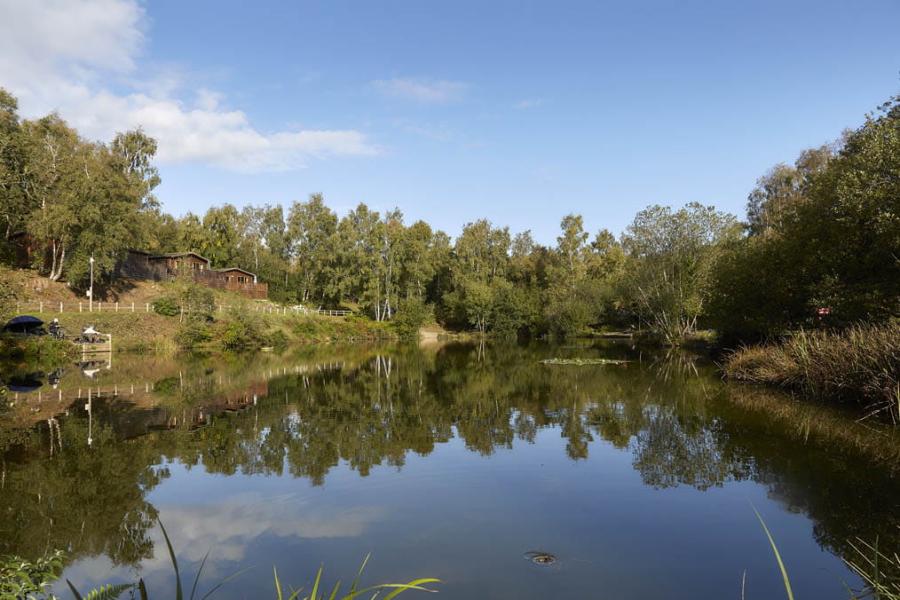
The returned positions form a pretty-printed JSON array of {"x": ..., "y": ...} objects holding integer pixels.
[{"x": 858, "y": 365}]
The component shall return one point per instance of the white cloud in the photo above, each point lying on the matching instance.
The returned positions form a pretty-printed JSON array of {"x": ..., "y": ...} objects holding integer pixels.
[
  {"x": 209, "y": 133},
  {"x": 226, "y": 528},
  {"x": 80, "y": 59},
  {"x": 231, "y": 524},
  {"x": 421, "y": 90},
  {"x": 41, "y": 35}
]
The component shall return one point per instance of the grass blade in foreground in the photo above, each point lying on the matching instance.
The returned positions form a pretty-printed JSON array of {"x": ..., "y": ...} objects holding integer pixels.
[
  {"x": 784, "y": 574},
  {"x": 178, "y": 593}
]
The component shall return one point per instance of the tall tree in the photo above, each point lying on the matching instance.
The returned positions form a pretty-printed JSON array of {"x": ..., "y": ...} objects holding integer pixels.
[
  {"x": 13, "y": 199},
  {"x": 672, "y": 257},
  {"x": 55, "y": 173},
  {"x": 312, "y": 229},
  {"x": 783, "y": 190},
  {"x": 571, "y": 297}
]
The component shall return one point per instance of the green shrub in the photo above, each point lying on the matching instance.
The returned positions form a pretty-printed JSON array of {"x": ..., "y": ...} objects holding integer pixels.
[
  {"x": 307, "y": 327},
  {"x": 20, "y": 578},
  {"x": 411, "y": 316},
  {"x": 193, "y": 333},
  {"x": 166, "y": 306},
  {"x": 198, "y": 301},
  {"x": 243, "y": 331},
  {"x": 8, "y": 293},
  {"x": 276, "y": 339}
]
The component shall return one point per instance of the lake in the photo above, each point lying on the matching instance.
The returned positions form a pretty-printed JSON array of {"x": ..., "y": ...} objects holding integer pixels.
[{"x": 456, "y": 461}]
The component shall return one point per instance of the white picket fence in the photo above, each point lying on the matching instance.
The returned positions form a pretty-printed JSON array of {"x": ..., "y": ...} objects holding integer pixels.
[
  {"x": 42, "y": 307},
  {"x": 47, "y": 307}
]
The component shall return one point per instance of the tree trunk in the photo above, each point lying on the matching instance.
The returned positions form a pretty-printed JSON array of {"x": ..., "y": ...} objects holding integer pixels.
[{"x": 56, "y": 268}]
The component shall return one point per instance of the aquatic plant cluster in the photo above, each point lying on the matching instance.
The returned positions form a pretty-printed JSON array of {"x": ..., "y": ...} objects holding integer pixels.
[{"x": 859, "y": 365}]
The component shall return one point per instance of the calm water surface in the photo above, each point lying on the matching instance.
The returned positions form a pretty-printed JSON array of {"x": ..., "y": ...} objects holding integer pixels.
[{"x": 452, "y": 461}]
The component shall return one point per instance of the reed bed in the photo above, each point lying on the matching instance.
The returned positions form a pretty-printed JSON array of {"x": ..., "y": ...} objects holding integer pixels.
[{"x": 859, "y": 365}]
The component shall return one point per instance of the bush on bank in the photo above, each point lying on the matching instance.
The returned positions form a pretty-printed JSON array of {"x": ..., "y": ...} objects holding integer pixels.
[{"x": 859, "y": 365}]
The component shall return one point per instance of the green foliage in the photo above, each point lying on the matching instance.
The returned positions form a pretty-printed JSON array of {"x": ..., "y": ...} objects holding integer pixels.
[
  {"x": 243, "y": 330},
  {"x": 672, "y": 257},
  {"x": 784, "y": 574},
  {"x": 828, "y": 238},
  {"x": 822, "y": 236},
  {"x": 512, "y": 310},
  {"x": 411, "y": 316},
  {"x": 193, "y": 333},
  {"x": 8, "y": 294},
  {"x": 571, "y": 313},
  {"x": 168, "y": 306},
  {"x": 312, "y": 228},
  {"x": 874, "y": 567},
  {"x": 392, "y": 590},
  {"x": 191, "y": 301},
  {"x": 76, "y": 198},
  {"x": 38, "y": 351},
  {"x": 276, "y": 339},
  {"x": 104, "y": 592},
  {"x": 197, "y": 302},
  {"x": 311, "y": 328},
  {"x": 20, "y": 578},
  {"x": 581, "y": 362}
]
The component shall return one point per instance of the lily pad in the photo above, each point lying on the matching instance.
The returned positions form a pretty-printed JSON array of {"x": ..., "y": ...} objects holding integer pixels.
[{"x": 582, "y": 362}]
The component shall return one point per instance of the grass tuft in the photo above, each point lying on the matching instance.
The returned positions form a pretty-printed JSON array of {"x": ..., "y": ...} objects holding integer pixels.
[{"x": 859, "y": 365}]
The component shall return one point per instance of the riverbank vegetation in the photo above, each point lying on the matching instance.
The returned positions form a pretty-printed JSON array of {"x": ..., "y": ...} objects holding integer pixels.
[
  {"x": 21, "y": 578},
  {"x": 818, "y": 250},
  {"x": 859, "y": 365}
]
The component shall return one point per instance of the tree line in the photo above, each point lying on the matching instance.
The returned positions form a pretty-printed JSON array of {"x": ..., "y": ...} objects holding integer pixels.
[{"x": 820, "y": 244}]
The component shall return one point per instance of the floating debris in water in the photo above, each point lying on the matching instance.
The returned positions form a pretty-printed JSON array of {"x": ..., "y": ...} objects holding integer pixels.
[
  {"x": 580, "y": 362},
  {"x": 541, "y": 558}
]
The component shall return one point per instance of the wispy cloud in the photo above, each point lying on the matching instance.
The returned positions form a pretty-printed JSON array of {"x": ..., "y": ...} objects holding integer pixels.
[
  {"x": 80, "y": 59},
  {"x": 422, "y": 90},
  {"x": 437, "y": 133},
  {"x": 528, "y": 103}
]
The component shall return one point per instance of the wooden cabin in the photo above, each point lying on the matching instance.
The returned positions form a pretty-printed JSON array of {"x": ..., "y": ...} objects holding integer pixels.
[
  {"x": 236, "y": 275},
  {"x": 179, "y": 262},
  {"x": 163, "y": 267}
]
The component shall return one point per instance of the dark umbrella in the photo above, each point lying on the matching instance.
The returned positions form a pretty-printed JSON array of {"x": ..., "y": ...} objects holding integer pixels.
[
  {"x": 23, "y": 324},
  {"x": 25, "y": 384},
  {"x": 25, "y": 387}
]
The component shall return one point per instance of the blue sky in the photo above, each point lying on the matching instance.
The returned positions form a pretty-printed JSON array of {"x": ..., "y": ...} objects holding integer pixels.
[{"x": 520, "y": 112}]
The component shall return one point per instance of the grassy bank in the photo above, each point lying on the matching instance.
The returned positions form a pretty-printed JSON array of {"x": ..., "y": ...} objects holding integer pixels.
[
  {"x": 38, "y": 352},
  {"x": 151, "y": 333},
  {"x": 860, "y": 365}
]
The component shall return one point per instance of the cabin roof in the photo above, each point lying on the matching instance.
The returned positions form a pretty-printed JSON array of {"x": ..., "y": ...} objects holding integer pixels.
[
  {"x": 238, "y": 269},
  {"x": 181, "y": 255}
]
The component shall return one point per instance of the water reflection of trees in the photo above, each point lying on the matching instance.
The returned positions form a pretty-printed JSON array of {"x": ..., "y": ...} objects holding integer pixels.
[
  {"x": 675, "y": 418},
  {"x": 89, "y": 500}
]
